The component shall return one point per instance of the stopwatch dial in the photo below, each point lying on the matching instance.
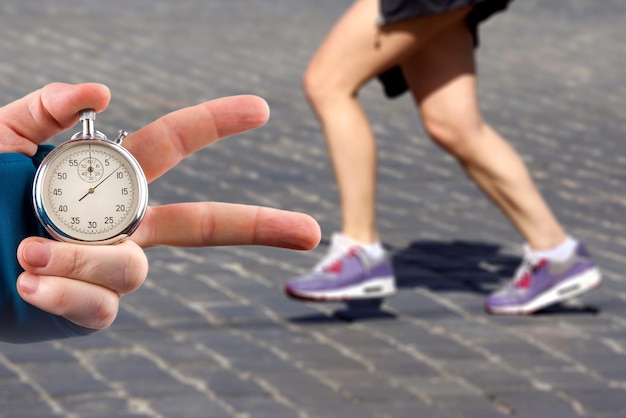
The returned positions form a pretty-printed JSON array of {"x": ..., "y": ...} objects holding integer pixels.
[
  {"x": 91, "y": 191},
  {"x": 90, "y": 169}
]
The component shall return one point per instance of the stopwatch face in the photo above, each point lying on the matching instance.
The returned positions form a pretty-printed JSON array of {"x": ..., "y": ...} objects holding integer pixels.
[{"x": 90, "y": 191}]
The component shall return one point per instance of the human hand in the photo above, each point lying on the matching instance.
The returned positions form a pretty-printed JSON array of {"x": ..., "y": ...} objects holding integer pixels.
[{"x": 84, "y": 283}]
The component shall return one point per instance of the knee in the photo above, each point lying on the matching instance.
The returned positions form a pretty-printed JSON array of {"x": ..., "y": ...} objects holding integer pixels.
[
  {"x": 315, "y": 86},
  {"x": 322, "y": 86},
  {"x": 456, "y": 135},
  {"x": 309, "y": 86}
]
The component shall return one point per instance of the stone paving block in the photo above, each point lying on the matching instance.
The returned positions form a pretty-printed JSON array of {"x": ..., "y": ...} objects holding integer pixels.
[
  {"x": 99, "y": 405},
  {"x": 401, "y": 409},
  {"x": 126, "y": 366},
  {"x": 523, "y": 356},
  {"x": 602, "y": 402},
  {"x": 35, "y": 353},
  {"x": 179, "y": 354},
  {"x": 418, "y": 305},
  {"x": 489, "y": 376},
  {"x": 466, "y": 405},
  {"x": 318, "y": 356},
  {"x": 145, "y": 336},
  {"x": 188, "y": 406},
  {"x": 314, "y": 397},
  {"x": 13, "y": 390},
  {"x": 473, "y": 333},
  {"x": 102, "y": 340},
  {"x": 261, "y": 407},
  {"x": 378, "y": 394},
  {"x": 6, "y": 373},
  {"x": 568, "y": 379},
  {"x": 533, "y": 403},
  {"x": 65, "y": 379},
  {"x": 157, "y": 308},
  {"x": 30, "y": 409},
  {"x": 227, "y": 384}
]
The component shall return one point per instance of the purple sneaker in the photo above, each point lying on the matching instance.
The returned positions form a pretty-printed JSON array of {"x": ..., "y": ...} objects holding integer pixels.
[
  {"x": 540, "y": 283},
  {"x": 347, "y": 276}
]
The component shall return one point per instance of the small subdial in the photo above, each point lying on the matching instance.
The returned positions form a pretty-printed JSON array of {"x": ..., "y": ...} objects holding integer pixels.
[{"x": 90, "y": 169}]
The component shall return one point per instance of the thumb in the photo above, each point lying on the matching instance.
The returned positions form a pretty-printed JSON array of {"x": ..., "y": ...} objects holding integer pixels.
[{"x": 31, "y": 120}]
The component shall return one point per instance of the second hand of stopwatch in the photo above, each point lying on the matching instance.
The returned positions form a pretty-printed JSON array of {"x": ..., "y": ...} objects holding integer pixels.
[{"x": 93, "y": 189}]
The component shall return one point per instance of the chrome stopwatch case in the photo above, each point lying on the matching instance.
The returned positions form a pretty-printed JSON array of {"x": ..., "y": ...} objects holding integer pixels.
[{"x": 90, "y": 190}]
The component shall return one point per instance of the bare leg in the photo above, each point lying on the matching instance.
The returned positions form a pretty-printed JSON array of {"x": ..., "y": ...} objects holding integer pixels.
[
  {"x": 355, "y": 51},
  {"x": 442, "y": 79}
]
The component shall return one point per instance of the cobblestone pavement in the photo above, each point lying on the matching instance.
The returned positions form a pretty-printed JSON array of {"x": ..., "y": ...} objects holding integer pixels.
[{"x": 211, "y": 334}]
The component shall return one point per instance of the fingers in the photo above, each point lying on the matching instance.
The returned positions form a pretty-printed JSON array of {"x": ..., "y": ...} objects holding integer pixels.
[
  {"x": 212, "y": 224},
  {"x": 160, "y": 145},
  {"x": 29, "y": 121},
  {"x": 165, "y": 142},
  {"x": 85, "y": 304},
  {"x": 82, "y": 283}
]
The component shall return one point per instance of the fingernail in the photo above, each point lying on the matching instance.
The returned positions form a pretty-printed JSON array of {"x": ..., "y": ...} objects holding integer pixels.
[
  {"x": 28, "y": 283},
  {"x": 37, "y": 254}
]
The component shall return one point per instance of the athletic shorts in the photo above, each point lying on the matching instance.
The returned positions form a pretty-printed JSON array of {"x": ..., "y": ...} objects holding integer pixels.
[{"x": 392, "y": 11}]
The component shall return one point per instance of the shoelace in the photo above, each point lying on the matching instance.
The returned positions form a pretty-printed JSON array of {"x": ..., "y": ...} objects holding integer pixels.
[
  {"x": 335, "y": 254},
  {"x": 336, "y": 266},
  {"x": 333, "y": 262},
  {"x": 523, "y": 275}
]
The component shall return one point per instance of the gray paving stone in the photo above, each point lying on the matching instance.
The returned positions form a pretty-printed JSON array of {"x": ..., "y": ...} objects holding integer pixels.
[
  {"x": 27, "y": 410},
  {"x": 65, "y": 379},
  {"x": 99, "y": 405},
  {"x": 531, "y": 403},
  {"x": 35, "y": 353},
  {"x": 601, "y": 402},
  {"x": 13, "y": 390},
  {"x": 462, "y": 405},
  {"x": 568, "y": 379},
  {"x": 261, "y": 407}
]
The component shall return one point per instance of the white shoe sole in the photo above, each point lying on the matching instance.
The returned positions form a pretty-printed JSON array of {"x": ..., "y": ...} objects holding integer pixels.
[
  {"x": 376, "y": 288},
  {"x": 566, "y": 290}
]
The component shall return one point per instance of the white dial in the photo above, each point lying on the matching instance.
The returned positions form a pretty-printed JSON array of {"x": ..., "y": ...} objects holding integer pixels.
[
  {"x": 91, "y": 191},
  {"x": 91, "y": 169}
]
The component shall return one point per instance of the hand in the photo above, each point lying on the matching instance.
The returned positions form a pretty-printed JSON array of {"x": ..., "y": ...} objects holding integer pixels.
[{"x": 84, "y": 283}]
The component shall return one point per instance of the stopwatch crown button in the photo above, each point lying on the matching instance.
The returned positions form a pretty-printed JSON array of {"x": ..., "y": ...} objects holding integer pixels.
[
  {"x": 87, "y": 114},
  {"x": 87, "y": 117}
]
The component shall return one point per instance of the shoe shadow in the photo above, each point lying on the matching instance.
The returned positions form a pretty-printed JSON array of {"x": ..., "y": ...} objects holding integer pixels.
[
  {"x": 452, "y": 266},
  {"x": 360, "y": 310},
  {"x": 476, "y": 267},
  {"x": 565, "y": 309}
]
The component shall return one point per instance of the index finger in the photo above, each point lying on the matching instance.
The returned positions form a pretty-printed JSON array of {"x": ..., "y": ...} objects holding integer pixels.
[
  {"x": 202, "y": 224},
  {"x": 163, "y": 143}
]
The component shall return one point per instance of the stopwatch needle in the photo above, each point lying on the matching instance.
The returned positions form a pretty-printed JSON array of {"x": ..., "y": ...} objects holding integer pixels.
[{"x": 93, "y": 189}]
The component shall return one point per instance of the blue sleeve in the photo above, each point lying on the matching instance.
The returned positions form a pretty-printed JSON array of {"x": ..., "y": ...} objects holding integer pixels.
[{"x": 21, "y": 322}]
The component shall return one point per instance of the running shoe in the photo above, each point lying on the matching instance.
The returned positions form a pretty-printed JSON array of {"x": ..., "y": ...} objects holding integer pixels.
[
  {"x": 539, "y": 283},
  {"x": 343, "y": 275}
]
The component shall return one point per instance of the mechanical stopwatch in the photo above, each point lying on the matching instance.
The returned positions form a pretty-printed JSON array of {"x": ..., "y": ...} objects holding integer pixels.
[{"x": 90, "y": 190}]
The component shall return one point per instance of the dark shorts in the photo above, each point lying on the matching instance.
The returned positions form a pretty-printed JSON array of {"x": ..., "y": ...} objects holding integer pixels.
[{"x": 392, "y": 11}]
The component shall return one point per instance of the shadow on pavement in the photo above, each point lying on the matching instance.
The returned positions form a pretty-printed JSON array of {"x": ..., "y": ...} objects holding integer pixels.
[
  {"x": 452, "y": 266},
  {"x": 465, "y": 266}
]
